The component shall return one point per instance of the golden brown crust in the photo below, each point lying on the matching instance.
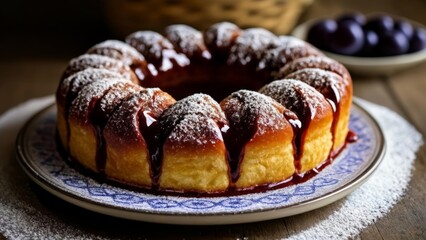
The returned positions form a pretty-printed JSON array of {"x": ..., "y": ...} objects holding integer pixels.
[
  {"x": 82, "y": 135},
  {"x": 127, "y": 158},
  {"x": 258, "y": 140},
  {"x": 314, "y": 139},
  {"x": 192, "y": 139},
  {"x": 333, "y": 88},
  {"x": 68, "y": 90}
]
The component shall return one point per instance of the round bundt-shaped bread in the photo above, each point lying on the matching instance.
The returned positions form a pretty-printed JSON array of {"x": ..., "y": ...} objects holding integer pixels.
[{"x": 167, "y": 113}]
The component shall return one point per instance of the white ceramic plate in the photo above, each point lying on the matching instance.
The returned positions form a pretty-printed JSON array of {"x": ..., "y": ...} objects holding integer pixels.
[
  {"x": 38, "y": 156},
  {"x": 371, "y": 66}
]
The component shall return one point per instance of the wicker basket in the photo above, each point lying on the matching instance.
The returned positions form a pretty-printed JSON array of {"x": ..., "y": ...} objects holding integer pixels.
[{"x": 278, "y": 16}]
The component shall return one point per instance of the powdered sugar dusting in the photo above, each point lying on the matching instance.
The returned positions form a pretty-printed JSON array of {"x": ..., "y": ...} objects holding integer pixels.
[
  {"x": 298, "y": 47},
  {"x": 123, "y": 124},
  {"x": 321, "y": 62},
  {"x": 80, "y": 107},
  {"x": 74, "y": 83},
  {"x": 291, "y": 41},
  {"x": 124, "y": 121},
  {"x": 187, "y": 40},
  {"x": 198, "y": 105},
  {"x": 149, "y": 43},
  {"x": 160, "y": 101},
  {"x": 157, "y": 49},
  {"x": 329, "y": 84},
  {"x": 97, "y": 61},
  {"x": 118, "y": 50},
  {"x": 251, "y": 45},
  {"x": 115, "y": 97},
  {"x": 288, "y": 49},
  {"x": 194, "y": 104},
  {"x": 222, "y": 35},
  {"x": 297, "y": 96},
  {"x": 248, "y": 108},
  {"x": 318, "y": 78},
  {"x": 194, "y": 129}
]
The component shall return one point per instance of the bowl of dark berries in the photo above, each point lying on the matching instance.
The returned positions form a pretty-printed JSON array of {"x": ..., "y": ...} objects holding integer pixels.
[{"x": 373, "y": 44}]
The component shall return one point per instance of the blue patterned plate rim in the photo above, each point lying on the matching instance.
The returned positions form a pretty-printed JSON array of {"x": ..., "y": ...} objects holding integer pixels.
[{"x": 37, "y": 155}]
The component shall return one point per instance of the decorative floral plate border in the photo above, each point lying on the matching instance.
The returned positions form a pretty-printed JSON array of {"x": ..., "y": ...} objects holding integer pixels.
[{"x": 38, "y": 156}]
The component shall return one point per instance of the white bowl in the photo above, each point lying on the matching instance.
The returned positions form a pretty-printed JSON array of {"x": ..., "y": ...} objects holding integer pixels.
[{"x": 371, "y": 66}]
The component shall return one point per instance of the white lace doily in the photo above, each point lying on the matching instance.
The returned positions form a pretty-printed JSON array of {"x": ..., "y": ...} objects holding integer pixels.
[{"x": 23, "y": 215}]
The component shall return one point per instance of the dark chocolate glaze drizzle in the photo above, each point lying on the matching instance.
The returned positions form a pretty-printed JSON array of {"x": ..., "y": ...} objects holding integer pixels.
[
  {"x": 236, "y": 139},
  {"x": 99, "y": 119},
  {"x": 330, "y": 91},
  {"x": 304, "y": 115},
  {"x": 296, "y": 125},
  {"x": 68, "y": 100},
  {"x": 333, "y": 97},
  {"x": 151, "y": 131}
]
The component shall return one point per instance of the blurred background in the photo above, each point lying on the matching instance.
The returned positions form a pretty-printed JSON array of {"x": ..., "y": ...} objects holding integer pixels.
[
  {"x": 62, "y": 29},
  {"x": 39, "y": 37}
]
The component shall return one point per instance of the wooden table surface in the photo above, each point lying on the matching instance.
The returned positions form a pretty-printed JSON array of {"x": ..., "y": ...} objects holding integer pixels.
[{"x": 35, "y": 73}]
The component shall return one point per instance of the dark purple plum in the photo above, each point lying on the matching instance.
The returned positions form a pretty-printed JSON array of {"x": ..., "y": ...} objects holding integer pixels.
[
  {"x": 353, "y": 16},
  {"x": 405, "y": 27},
  {"x": 392, "y": 43},
  {"x": 319, "y": 33},
  {"x": 371, "y": 39},
  {"x": 353, "y": 34},
  {"x": 380, "y": 23},
  {"x": 348, "y": 39},
  {"x": 418, "y": 40}
]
